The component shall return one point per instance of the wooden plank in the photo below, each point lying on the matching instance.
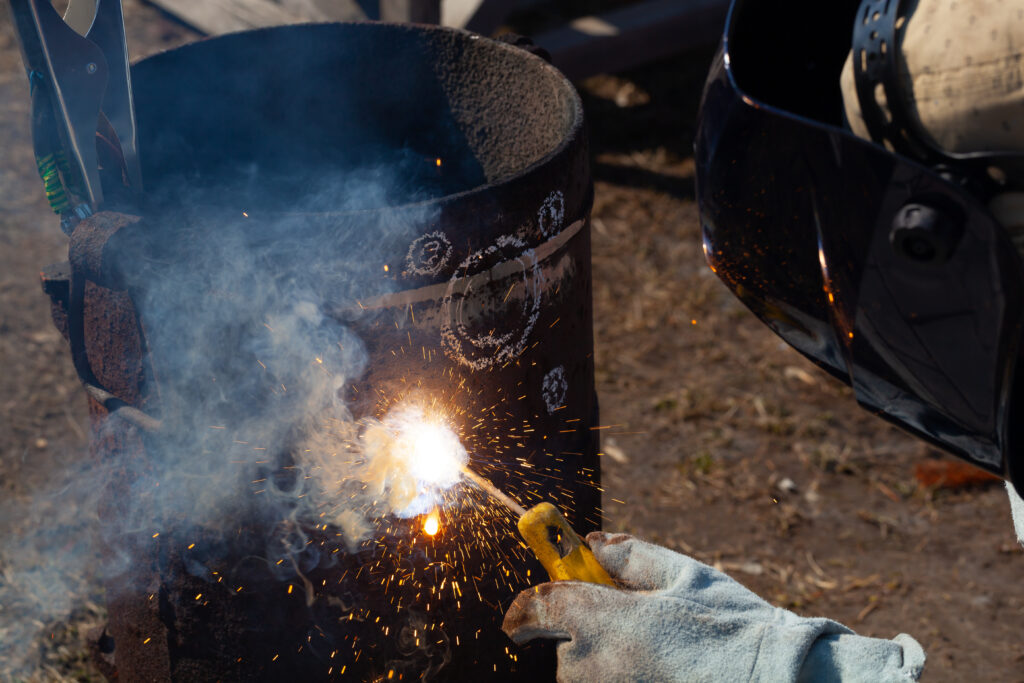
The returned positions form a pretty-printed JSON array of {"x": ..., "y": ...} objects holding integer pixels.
[
  {"x": 326, "y": 10},
  {"x": 586, "y": 46},
  {"x": 633, "y": 35},
  {"x": 214, "y": 17},
  {"x": 414, "y": 11},
  {"x": 481, "y": 16}
]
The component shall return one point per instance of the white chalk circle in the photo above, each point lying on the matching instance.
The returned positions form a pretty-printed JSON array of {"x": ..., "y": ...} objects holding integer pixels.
[
  {"x": 428, "y": 254},
  {"x": 487, "y": 317},
  {"x": 551, "y": 214},
  {"x": 554, "y": 389}
]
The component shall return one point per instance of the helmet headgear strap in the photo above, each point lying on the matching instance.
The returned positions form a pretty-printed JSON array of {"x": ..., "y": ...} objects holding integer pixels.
[{"x": 875, "y": 67}]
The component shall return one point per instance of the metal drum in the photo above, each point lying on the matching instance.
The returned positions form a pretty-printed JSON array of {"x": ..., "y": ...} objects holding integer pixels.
[{"x": 339, "y": 220}]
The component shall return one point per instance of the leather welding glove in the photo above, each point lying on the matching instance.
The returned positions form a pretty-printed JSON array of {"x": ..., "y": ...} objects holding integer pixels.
[{"x": 676, "y": 619}]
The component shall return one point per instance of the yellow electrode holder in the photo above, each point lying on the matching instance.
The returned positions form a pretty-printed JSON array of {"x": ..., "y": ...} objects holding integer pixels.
[{"x": 564, "y": 554}]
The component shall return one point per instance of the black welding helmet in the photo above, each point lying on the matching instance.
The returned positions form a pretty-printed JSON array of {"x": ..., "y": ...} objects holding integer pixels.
[{"x": 878, "y": 260}]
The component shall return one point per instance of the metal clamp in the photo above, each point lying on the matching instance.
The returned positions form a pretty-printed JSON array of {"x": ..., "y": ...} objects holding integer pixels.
[{"x": 80, "y": 86}]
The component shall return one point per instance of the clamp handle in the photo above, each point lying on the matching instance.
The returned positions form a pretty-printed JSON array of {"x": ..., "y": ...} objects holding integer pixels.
[
  {"x": 80, "y": 83},
  {"x": 560, "y": 550}
]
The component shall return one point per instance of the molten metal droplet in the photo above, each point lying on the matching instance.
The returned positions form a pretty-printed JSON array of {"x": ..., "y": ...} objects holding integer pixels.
[{"x": 432, "y": 523}]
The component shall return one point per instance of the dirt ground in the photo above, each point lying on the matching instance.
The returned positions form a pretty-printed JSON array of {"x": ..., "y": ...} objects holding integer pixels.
[{"x": 727, "y": 444}]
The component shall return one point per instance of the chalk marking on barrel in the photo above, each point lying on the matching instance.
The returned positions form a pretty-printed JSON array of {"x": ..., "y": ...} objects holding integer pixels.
[
  {"x": 552, "y": 213},
  {"x": 554, "y": 389},
  {"x": 480, "y": 351},
  {"x": 434, "y": 292},
  {"x": 428, "y": 254}
]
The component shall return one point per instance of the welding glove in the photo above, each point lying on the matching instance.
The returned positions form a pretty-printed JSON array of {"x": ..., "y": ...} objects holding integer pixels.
[{"x": 676, "y": 619}]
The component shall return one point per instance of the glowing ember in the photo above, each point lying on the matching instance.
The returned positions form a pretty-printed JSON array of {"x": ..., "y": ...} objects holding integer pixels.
[{"x": 432, "y": 523}]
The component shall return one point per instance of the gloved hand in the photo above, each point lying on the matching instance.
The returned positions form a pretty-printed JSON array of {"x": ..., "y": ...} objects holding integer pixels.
[{"x": 676, "y": 619}]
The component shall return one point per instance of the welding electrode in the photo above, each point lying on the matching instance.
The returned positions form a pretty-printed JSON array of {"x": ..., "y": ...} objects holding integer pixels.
[{"x": 560, "y": 550}]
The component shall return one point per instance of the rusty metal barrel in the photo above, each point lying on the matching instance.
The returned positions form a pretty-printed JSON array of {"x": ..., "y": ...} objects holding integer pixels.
[{"x": 410, "y": 203}]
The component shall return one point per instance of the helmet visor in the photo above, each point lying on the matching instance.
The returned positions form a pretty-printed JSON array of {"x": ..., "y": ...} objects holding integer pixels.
[{"x": 880, "y": 271}]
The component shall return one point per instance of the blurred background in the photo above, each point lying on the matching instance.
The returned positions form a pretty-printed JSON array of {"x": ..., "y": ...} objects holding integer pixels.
[{"x": 721, "y": 441}]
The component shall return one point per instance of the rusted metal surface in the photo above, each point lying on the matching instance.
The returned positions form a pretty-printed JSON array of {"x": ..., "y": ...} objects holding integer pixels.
[
  {"x": 114, "y": 347},
  {"x": 56, "y": 282},
  {"x": 88, "y": 247},
  {"x": 487, "y": 302}
]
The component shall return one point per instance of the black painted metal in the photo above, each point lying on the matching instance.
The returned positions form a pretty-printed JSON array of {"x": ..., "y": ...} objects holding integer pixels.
[{"x": 300, "y": 105}]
